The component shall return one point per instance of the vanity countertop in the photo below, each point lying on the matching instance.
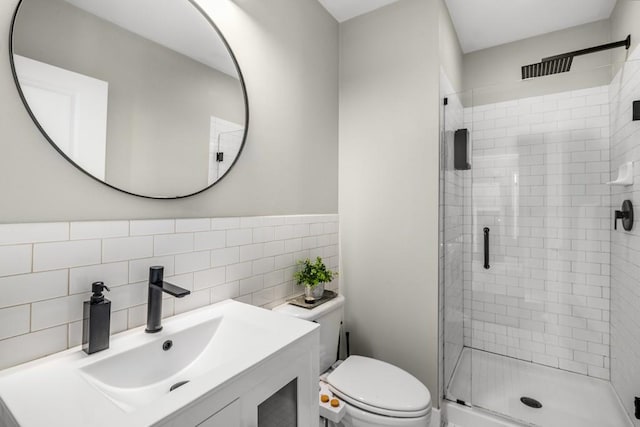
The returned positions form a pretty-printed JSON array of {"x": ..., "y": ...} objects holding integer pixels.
[{"x": 117, "y": 387}]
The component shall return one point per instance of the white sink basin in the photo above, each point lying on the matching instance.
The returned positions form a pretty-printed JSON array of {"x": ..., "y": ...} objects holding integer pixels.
[
  {"x": 141, "y": 375},
  {"x": 129, "y": 384}
]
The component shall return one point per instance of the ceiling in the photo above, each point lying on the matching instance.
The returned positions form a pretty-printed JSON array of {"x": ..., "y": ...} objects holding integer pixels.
[
  {"x": 347, "y": 9},
  {"x": 485, "y": 23}
]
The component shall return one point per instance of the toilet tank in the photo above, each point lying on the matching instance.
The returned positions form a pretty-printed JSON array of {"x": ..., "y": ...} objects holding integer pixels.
[{"x": 329, "y": 316}]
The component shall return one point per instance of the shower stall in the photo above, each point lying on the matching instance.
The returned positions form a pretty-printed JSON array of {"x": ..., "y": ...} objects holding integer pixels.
[{"x": 540, "y": 295}]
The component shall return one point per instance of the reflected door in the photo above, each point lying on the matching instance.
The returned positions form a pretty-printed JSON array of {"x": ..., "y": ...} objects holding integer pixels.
[{"x": 71, "y": 109}]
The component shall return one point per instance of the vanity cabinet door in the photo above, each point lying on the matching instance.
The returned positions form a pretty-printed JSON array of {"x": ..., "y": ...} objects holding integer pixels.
[
  {"x": 227, "y": 417},
  {"x": 281, "y": 408},
  {"x": 282, "y": 391}
]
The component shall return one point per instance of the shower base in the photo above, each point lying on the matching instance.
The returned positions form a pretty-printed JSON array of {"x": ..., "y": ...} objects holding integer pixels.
[{"x": 497, "y": 383}]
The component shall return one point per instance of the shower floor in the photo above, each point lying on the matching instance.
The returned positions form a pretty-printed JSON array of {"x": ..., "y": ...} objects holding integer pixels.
[{"x": 496, "y": 383}]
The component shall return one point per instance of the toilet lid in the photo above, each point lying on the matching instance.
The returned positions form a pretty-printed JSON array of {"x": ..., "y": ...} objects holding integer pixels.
[{"x": 379, "y": 387}]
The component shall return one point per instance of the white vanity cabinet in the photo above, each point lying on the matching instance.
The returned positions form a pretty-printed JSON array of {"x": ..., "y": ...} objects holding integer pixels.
[
  {"x": 280, "y": 392},
  {"x": 239, "y": 366},
  {"x": 227, "y": 416}
]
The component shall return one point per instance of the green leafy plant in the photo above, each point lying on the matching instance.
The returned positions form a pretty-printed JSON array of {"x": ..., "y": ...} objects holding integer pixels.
[{"x": 313, "y": 273}]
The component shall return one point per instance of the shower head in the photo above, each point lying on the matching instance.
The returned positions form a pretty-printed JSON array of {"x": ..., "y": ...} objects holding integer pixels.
[
  {"x": 546, "y": 68},
  {"x": 562, "y": 63}
]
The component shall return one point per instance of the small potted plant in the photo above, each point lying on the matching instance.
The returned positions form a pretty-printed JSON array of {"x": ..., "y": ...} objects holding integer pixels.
[{"x": 313, "y": 275}]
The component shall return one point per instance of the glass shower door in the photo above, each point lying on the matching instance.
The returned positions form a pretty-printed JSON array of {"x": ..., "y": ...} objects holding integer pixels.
[
  {"x": 538, "y": 203},
  {"x": 500, "y": 253},
  {"x": 454, "y": 182}
]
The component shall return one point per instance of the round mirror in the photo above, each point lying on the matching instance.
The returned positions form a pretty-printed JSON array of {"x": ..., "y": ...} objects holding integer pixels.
[{"x": 143, "y": 95}]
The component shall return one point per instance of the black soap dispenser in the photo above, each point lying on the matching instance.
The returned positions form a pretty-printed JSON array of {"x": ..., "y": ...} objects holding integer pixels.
[{"x": 96, "y": 323}]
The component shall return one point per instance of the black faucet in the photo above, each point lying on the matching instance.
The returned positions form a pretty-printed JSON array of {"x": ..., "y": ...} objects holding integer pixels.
[{"x": 156, "y": 287}]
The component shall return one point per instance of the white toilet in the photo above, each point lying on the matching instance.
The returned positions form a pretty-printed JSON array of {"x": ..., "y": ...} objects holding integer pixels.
[{"x": 377, "y": 394}]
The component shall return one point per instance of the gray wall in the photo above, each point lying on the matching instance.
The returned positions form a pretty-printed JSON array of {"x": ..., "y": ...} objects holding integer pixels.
[
  {"x": 451, "y": 56},
  {"x": 160, "y": 101},
  {"x": 288, "y": 53},
  {"x": 494, "y": 74},
  {"x": 389, "y": 74},
  {"x": 625, "y": 19}
]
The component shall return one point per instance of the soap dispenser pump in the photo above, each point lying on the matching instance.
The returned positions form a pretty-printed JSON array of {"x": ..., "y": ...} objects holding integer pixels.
[{"x": 96, "y": 323}]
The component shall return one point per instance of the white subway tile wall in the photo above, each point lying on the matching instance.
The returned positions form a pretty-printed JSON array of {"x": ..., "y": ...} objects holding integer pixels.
[
  {"x": 625, "y": 245},
  {"x": 539, "y": 170},
  {"x": 451, "y": 235},
  {"x": 46, "y": 270}
]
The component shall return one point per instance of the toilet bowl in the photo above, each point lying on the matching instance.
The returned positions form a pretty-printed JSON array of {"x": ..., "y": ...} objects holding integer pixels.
[
  {"x": 379, "y": 394},
  {"x": 375, "y": 393}
]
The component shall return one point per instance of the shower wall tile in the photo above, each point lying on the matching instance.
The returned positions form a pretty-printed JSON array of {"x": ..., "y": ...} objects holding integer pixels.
[
  {"x": 46, "y": 271},
  {"x": 625, "y": 245},
  {"x": 538, "y": 174}
]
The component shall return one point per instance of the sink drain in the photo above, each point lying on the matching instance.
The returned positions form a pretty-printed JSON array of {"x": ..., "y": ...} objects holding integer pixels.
[
  {"x": 531, "y": 402},
  {"x": 176, "y": 385}
]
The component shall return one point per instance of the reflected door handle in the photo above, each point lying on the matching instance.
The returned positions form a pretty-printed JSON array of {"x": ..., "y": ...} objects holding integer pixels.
[{"x": 486, "y": 248}]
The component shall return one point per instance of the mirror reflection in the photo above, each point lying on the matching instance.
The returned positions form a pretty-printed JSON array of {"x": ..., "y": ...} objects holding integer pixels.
[{"x": 143, "y": 95}]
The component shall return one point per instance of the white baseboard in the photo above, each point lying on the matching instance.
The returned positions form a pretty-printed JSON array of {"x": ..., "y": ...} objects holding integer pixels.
[{"x": 436, "y": 419}]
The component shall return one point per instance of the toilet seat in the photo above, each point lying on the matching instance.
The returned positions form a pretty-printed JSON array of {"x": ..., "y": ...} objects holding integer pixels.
[{"x": 380, "y": 388}]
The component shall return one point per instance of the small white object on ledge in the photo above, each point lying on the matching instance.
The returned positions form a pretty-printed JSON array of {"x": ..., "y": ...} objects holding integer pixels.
[{"x": 625, "y": 175}]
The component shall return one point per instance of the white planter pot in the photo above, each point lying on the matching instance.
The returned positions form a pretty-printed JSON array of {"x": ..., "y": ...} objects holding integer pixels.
[{"x": 315, "y": 292}]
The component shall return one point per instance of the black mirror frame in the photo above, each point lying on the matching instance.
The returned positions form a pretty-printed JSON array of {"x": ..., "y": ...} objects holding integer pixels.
[{"x": 53, "y": 144}]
